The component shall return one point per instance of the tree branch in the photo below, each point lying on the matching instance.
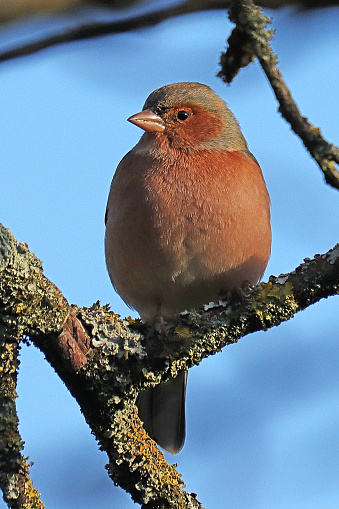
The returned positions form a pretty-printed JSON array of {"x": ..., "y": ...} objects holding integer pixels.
[
  {"x": 104, "y": 361},
  {"x": 14, "y": 10},
  {"x": 15, "y": 483},
  {"x": 32, "y": 307},
  {"x": 94, "y": 30},
  {"x": 250, "y": 39}
]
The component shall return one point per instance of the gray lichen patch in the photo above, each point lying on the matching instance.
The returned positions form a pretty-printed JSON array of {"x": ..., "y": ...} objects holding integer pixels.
[{"x": 114, "y": 336}]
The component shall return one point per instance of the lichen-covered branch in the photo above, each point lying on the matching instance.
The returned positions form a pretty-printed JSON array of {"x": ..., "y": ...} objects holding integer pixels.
[
  {"x": 250, "y": 39},
  {"x": 104, "y": 361},
  {"x": 31, "y": 307},
  {"x": 15, "y": 483}
]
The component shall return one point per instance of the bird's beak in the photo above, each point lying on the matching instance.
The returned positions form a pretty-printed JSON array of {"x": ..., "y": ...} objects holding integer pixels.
[{"x": 148, "y": 121}]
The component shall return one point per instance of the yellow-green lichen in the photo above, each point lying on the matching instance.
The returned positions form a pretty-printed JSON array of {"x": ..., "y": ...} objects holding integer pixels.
[
  {"x": 184, "y": 332},
  {"x": 315, "y": 129},
  {"x": 32, "y": 497},
  {"x": 274, "y": 299},
  {"x": 155, "y": 478}
]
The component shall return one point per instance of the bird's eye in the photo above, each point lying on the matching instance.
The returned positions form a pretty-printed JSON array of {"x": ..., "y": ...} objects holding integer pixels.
[{"x": 183, "y": 115}]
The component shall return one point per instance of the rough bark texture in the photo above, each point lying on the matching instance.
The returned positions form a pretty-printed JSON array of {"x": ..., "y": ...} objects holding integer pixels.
[
  {"x": 16, "y": 486},
  {"x": 104, "y": 362}
]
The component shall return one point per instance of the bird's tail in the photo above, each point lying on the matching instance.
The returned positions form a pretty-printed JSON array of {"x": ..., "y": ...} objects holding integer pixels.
[{"x": 162, "y": 410}]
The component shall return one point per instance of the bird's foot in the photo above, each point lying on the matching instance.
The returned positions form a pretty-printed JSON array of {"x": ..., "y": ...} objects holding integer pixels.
[{"x": 236, "y": 294}]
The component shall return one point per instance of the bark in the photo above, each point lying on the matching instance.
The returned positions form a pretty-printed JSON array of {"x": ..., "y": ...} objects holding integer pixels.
[{"x": 104, "y": 361}]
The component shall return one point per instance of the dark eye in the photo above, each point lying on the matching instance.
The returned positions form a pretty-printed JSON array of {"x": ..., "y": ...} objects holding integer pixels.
[{"x": 183, "y": 115}]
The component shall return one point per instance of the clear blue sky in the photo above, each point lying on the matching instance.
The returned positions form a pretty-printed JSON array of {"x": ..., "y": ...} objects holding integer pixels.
[{"x": 263, "y": 415}]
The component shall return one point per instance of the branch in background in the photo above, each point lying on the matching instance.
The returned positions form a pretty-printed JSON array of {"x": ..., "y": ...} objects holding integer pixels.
[
  {"x": 250, "y": 38},
  {"x": 94, "y": 30},
  {"x": 16, "y": 9},
  {"x": 103, "y": 360}
]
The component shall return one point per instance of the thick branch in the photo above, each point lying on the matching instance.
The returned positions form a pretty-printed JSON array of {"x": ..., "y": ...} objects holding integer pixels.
[
  {"x": 15, "y": 483},
  {"x": 249, "y": 39},
  {"x": 104, "y": 360},
  {"x": 32, "y": 307}
]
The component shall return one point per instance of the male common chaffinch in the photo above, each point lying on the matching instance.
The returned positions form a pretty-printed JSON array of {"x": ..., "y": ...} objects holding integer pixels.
[{"x": 187, "y": 221}]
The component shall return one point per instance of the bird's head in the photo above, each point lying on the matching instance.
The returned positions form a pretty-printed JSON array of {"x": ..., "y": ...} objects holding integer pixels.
[{"x": 191, "y": 117}]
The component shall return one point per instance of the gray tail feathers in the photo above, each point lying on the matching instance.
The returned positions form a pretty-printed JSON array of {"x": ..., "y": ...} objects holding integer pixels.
[{"x": 162, "y": 410}]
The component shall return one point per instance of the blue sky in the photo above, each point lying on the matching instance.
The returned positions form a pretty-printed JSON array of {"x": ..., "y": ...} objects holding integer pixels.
[{"x": 263, "y": 415}]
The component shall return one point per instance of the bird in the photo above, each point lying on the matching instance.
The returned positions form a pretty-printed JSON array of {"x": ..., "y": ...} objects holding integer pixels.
[{"x": 187, "y": 222}]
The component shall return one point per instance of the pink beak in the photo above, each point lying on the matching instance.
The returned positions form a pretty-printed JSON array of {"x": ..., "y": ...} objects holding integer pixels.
[{"x": 148, "y": 121}]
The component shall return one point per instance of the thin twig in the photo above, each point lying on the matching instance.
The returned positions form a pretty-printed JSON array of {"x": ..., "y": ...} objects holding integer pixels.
[{"x": 251, "y": 26}]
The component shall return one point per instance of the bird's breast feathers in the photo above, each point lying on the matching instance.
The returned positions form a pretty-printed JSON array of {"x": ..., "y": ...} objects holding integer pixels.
[{"x": 188, "y": 221}]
